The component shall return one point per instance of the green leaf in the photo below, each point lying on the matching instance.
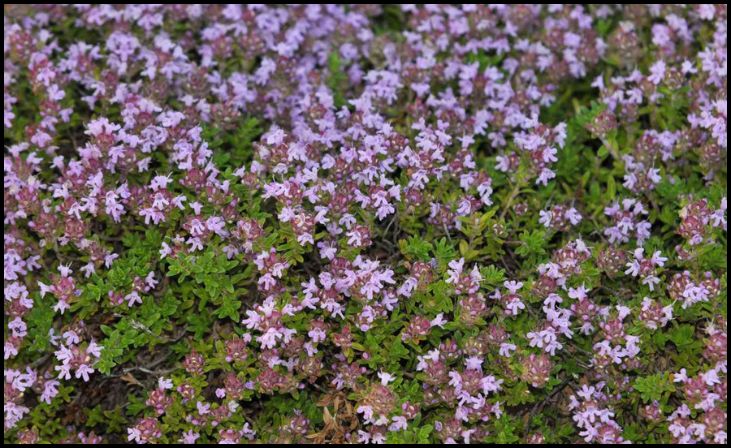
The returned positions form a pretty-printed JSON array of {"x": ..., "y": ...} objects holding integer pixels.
[
  {"x": 654, "y": 387},
  {"x": 492, "y": 275},
  {"x": 416, "y": 248},
  {"x": 682, "y": 335},
  {"x": 533, "y": 243},
  {"x": 229, "y": 308}
]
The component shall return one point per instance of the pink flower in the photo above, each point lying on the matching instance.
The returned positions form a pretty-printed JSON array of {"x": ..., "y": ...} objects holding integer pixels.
[
  {"x": 189, "y": 437},
  {"x": 367, "y": 412},
  {"x": 83, "y": 371},
  {"x": 385, "y": 378},
  {"x": 513, "y": 286},
  {"x": 399, "y": 423},
  {"x": 133, "y": 298},
  {"x": 49, "y": 391},
  {"x": 134, "y": 434}
]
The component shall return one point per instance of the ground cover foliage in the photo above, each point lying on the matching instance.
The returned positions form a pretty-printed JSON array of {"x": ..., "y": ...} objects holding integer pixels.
[{"x": 332, "y": 224}]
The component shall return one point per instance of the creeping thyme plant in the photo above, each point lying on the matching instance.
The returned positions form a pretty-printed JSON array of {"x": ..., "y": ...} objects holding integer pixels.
[{"x": 365, "y": 223}]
